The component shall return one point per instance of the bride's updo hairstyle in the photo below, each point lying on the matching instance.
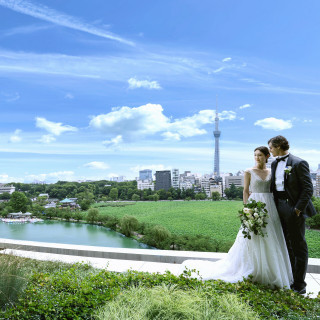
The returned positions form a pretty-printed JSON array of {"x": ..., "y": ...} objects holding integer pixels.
[
  {"x": 280, "y": 141},
  {"x": 264, "y": 150}
]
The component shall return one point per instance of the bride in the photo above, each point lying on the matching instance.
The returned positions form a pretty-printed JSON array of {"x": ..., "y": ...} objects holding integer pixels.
[{"x": 265, "y": 258}]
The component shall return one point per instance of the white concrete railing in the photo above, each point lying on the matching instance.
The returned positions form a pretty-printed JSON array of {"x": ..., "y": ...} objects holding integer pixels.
[{"x": 148, "y": 255}]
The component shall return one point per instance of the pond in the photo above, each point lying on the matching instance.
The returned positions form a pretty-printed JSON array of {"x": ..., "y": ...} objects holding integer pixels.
[{"x": 69, "y": 233}]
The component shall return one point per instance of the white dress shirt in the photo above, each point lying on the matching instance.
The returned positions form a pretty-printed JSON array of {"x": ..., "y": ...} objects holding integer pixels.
[{"x": 280, "y": 174}]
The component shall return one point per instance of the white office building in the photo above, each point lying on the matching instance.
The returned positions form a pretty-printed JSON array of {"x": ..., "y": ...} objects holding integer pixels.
[
  {"x": 145, "y": 185},
  {"x": 205, "y": 184},
  {"x": 175, "y": 177},
  {"x": 9, "y": 189},
  {"x": 238, "y": 181},
  {"x": 317, "y": 188}
]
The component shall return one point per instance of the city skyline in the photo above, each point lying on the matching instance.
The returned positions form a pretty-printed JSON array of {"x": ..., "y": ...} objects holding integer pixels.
[{"x": 95, "y": 90}]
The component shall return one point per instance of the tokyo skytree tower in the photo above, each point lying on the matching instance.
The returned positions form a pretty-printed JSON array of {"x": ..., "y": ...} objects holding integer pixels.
[{"x": 216, "y": 134}]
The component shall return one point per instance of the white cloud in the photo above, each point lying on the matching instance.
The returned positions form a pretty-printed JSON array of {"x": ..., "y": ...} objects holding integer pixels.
[
  {"x": 24, "y": 30},
  {"x": 227, "y": 115},
  {"x": 125, "y": 121},
  {"x": 135, "y": 84},
  {"x": 5, "y": 178},
  {"x": 153, "y": 167},
  {"x": 306, "y": 121},
  {"x": 274, "y": 124},
  {"x": 113, "y": 143},
  {"x": 247, "y": 105},
  {"x": 47, "y": 138},
  {"x": 69, "y": 96},
  {"x": 218, "y": 70},
  {"x": 97, "y": 165},
  {"x": 10, "y": 97},
  {"x": 129, "y": 123},
  {"x": 226, "y": 59},
  {"x": 16, "y": 136},
  {"x": 55, "y": 128},
  {"x": 45, "y": 13},
  {"x": 51, "y": 177},
  {"x": 171, "y": 136}
]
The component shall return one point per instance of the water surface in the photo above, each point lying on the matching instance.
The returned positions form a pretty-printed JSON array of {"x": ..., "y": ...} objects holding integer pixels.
[{"x": 68, "y": 232}]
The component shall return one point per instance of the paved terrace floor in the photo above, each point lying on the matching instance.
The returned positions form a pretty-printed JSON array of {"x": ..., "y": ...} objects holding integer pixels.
[{"x": 122, "y": 259}]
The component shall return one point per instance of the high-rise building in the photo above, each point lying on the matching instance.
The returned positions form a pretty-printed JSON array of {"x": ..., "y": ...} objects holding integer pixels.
[
  {"x": 145, "y": 174},
  {"x": 175, "y": 178},
  {"x": 317, "y": 188},
  {"x": 163, "y": 180},
  {"x": 216, "y": 133}
]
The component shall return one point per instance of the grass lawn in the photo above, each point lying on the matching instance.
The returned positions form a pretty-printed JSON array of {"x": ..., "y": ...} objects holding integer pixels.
[{"x": 217, "y": 219}]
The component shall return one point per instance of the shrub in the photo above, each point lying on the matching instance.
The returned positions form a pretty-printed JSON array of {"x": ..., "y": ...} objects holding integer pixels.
[
  {"x": 135, "y": 197},
  {"x": 111, "y": 222},
  {"x": 215, "y": 196},
  {"x": 92, "y": 215},
  {"x": 314, "y": 222},
  {"x": 200, "y": 196},
  {"x": 128, "y": 224},
  {"x": 51, "y": 212},
  {"x": 200, "y": 243},
  {"x": 78, "y": 215},
  {"x": 85, "y": 204},
  {"x": 76, "y": 292},
  {"x": 67, "y": 214},
  {"x": 157, "y": 236}
]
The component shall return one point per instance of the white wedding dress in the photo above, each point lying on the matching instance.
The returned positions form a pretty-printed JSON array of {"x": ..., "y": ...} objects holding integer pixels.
[{"x": 265, "y": 258}]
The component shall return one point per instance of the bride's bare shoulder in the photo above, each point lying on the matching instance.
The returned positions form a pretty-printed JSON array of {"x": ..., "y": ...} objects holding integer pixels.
[{"x": 248, "y": 171}]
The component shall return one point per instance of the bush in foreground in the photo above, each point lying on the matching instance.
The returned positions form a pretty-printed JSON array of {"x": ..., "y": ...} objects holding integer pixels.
[
  {"x": 78, "y": 291},
  {"x": 167, "y": 302}
]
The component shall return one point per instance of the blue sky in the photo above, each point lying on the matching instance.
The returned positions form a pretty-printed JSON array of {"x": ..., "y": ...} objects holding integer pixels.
[{"x": 93, "y": 89}]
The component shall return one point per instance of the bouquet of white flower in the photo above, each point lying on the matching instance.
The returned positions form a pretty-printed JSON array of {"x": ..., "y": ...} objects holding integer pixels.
[{"x": 253, "y": 218}]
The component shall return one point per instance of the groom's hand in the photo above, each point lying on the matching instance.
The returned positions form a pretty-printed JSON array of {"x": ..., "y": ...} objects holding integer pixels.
[{"x": 297, "y": 211}]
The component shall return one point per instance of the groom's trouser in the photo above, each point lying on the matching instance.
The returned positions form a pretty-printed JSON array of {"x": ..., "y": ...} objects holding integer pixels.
[{"x": 294, "y": 232}]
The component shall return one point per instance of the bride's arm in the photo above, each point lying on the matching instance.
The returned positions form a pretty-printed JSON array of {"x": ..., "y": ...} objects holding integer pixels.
[{"x": 246, "y": 193}]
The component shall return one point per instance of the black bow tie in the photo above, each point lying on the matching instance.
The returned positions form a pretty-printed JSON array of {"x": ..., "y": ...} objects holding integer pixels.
[{"x": 282, "y": 158}]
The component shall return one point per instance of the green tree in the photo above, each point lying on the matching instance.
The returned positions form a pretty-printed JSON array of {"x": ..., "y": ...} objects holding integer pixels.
[
  {"x": 135, "y": 197},
  {"x": 113, "y": 194},
  {"x": 159, "y": 233},
  {"x": 51, "y": 212},
  {"x": 162, "y": 194},
  {"x": 86, "y": 195},
  {"x": 200, "y": 196},
  {"x": 92, "y": 215},
  {"x": 231, "y": 193},
  {"x": 215, "y": 196},
  {"x": 5, "y": 196},
  {"x": 19, "y": 201},
  {"x": 316, "y": 203},
  {"x": 42, "y": 201},
  {"x": 128, "y": 224},
  {"x": 84, "y": 204}
]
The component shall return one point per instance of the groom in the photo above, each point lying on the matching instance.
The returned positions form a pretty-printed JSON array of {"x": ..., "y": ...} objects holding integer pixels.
[{"x": 292, "y": 189}]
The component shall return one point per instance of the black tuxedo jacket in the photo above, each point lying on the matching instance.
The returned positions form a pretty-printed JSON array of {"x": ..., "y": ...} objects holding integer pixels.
[{"x": 297, "y": 184}]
